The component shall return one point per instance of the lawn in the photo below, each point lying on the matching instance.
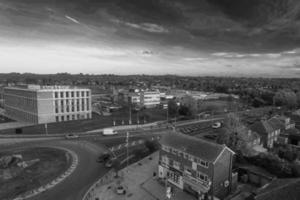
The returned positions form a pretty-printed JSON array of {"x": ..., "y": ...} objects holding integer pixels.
[
  {"x": 97, "y": 122},
  {"x": 52, "y": 163}
]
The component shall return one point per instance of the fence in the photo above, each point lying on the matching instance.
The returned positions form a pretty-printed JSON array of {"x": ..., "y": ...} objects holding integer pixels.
[{"x": 92, "y": 194}]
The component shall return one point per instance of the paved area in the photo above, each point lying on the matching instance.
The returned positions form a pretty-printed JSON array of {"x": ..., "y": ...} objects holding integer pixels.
[{"x": 139, "y": 183}]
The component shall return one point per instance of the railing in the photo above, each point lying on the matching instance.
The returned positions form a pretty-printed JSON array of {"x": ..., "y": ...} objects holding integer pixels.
[{"x": 91, "y": 194}]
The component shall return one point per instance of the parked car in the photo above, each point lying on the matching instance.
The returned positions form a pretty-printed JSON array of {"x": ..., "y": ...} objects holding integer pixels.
[
  {"x": 121, "y": 190},
  {"x": 71, "y": 136},
  {"x": 104, "y": 157}
]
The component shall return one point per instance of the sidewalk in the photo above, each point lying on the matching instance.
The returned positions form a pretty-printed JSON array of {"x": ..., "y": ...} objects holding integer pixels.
[{"x": 139, "y": 183}]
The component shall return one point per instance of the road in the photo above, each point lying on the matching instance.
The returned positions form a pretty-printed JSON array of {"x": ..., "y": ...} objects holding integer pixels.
[
  {"x": 87, "y": 148},
  {"x": 87, "y": 171}
]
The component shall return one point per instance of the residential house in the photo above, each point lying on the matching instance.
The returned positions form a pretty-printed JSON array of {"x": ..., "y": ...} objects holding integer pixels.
[
  {"x": 195, "y": 165},
  {"x": 268, "y": 131}
]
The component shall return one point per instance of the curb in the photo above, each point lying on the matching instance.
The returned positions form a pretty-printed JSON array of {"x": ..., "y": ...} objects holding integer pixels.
[{"x": 54, "y": 182}]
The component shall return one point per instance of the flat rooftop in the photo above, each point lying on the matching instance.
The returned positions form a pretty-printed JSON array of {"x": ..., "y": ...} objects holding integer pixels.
[{"x": 43, "y": 87}]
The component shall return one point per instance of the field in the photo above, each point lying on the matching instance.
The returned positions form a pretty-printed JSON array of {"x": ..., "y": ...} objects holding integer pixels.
[
  {"x": 149, "y": 115},
  {"x": 219, "y": 106},
  {"x": 52, "y": 162}
]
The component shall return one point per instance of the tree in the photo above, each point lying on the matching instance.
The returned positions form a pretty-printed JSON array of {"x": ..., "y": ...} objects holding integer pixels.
[
  {"x": 184, "y": 110},
  {"x": 285, "y": 98},
  {"x": 298, "y": 98},
  {"x": 235, "y": 135},
  {"x": 191, "y": 103},
  {"x": 172, "y": 107}
]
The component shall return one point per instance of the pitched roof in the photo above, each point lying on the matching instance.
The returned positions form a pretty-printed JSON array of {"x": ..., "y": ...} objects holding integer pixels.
[
  {"x": 262, "y": 127},
  {"x": 279, "y": 189},
  {"x": 276, "y": 123},
  {"x": 201, "y": 148}
]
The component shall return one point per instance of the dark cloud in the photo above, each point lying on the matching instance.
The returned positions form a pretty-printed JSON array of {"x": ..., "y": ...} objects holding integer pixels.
[{"x": 189, "y": 30}]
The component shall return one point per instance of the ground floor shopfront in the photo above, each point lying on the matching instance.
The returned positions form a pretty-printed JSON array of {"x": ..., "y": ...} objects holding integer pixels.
[{"x": 185, "y": 182}]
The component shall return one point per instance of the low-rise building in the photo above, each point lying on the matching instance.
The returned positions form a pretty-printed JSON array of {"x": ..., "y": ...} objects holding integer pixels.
[
  {"x": 195, "y": 165},
  {"x": 44, "y": 104}
]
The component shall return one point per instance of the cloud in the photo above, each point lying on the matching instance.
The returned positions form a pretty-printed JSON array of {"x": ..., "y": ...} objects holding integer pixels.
[
  {"x": 72, "y": 19},
  {"x": 194, "y": 59},
  {"x": 149, "y": 27},
  {"x": 229, "y": 55},
  {"x": 273, "y": 55}
]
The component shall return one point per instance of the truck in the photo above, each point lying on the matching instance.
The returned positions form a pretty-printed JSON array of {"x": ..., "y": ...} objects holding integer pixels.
[{"x": 109, "y": 131}]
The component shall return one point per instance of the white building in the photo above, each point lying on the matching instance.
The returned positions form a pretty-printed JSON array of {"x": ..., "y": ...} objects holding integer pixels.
[
  {"x": 44, "y": 104},
  {"x": 150, "y": 99}
]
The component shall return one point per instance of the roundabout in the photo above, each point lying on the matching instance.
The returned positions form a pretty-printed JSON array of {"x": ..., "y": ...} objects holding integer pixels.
[{"x": 26, "y": 172}]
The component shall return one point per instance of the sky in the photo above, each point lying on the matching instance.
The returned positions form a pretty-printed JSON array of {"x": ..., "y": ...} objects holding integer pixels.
[{"x": 257, "y": 38}]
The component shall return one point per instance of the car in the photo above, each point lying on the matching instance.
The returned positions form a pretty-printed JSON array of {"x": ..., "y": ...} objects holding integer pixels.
[
  {"x": 121, "y": 190},
  {"x": 109, "y": 131},
  {"x": 110, "y": 162},
  {"x": 217, "y": 125},
  {"x": 104, "y": 157},
  {"x": 71, "y": 136}
]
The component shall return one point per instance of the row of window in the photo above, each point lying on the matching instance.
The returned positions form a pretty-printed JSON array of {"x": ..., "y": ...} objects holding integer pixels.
[
  {"x": 186, "y": 156},
  {"x": 72, "y": 105},
  {"x": 187, "y": 170},
  {"x": 72, "y": 117},
  {"x": 68, "y": 94}
]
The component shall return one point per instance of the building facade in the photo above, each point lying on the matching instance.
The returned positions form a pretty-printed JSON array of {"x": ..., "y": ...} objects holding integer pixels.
[
  {"x": 45, "y": 104},
  {"x": 150, "y": 99},
  {"x": 197, "y": 166}
]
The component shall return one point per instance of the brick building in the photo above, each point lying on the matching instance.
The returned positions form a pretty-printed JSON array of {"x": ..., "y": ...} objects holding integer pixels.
[{"x": 197, "y": 166}]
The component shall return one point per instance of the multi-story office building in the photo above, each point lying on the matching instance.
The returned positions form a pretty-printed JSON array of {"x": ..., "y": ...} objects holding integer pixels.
[
  {"x": 150, "y": 99},
  {"x": 44, "y": 104},
  {"x": 198, "y": 166}
]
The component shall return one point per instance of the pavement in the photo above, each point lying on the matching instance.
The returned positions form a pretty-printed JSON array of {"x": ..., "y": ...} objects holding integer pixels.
[{"x": 139, "y": 182}]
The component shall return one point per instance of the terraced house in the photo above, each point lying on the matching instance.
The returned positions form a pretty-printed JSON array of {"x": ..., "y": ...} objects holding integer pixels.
[{"x": 195, "y": 165}]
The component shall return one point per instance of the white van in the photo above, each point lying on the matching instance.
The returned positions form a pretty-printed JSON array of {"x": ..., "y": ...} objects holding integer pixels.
[
  {"x": 109, "y": 131},
  {"x": 217, "y": 125}
]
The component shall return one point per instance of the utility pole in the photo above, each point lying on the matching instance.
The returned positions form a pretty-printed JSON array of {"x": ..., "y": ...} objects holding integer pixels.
[
  {"x": 167, "y": 114},
  {"x": 127, "y": 144},
  {"x": 137, "y": 119},
  {"x": 129, "y": 113},
  {"x": 46, "y": 129}
]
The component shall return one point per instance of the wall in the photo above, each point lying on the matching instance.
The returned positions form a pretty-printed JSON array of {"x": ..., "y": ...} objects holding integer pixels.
[{"x": 222, "y": 173}]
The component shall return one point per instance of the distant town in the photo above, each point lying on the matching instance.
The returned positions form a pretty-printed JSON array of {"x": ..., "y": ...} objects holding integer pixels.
[{"x": 197, "y": 137}]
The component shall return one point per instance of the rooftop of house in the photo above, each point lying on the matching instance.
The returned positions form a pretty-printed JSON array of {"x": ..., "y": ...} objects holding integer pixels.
[
  {"x": 262, "y": 127},
  {"x": 279, "y": 189},
  {"x": 195, "y": 146}
]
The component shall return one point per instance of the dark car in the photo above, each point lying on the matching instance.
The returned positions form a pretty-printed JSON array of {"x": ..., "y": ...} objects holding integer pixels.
[
  {"x": 103, "y": 157},
  {"x": 109, "y": 163}
]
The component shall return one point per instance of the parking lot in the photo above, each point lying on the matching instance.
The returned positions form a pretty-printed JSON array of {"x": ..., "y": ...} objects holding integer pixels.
[{"x": 202, "y": 130}]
